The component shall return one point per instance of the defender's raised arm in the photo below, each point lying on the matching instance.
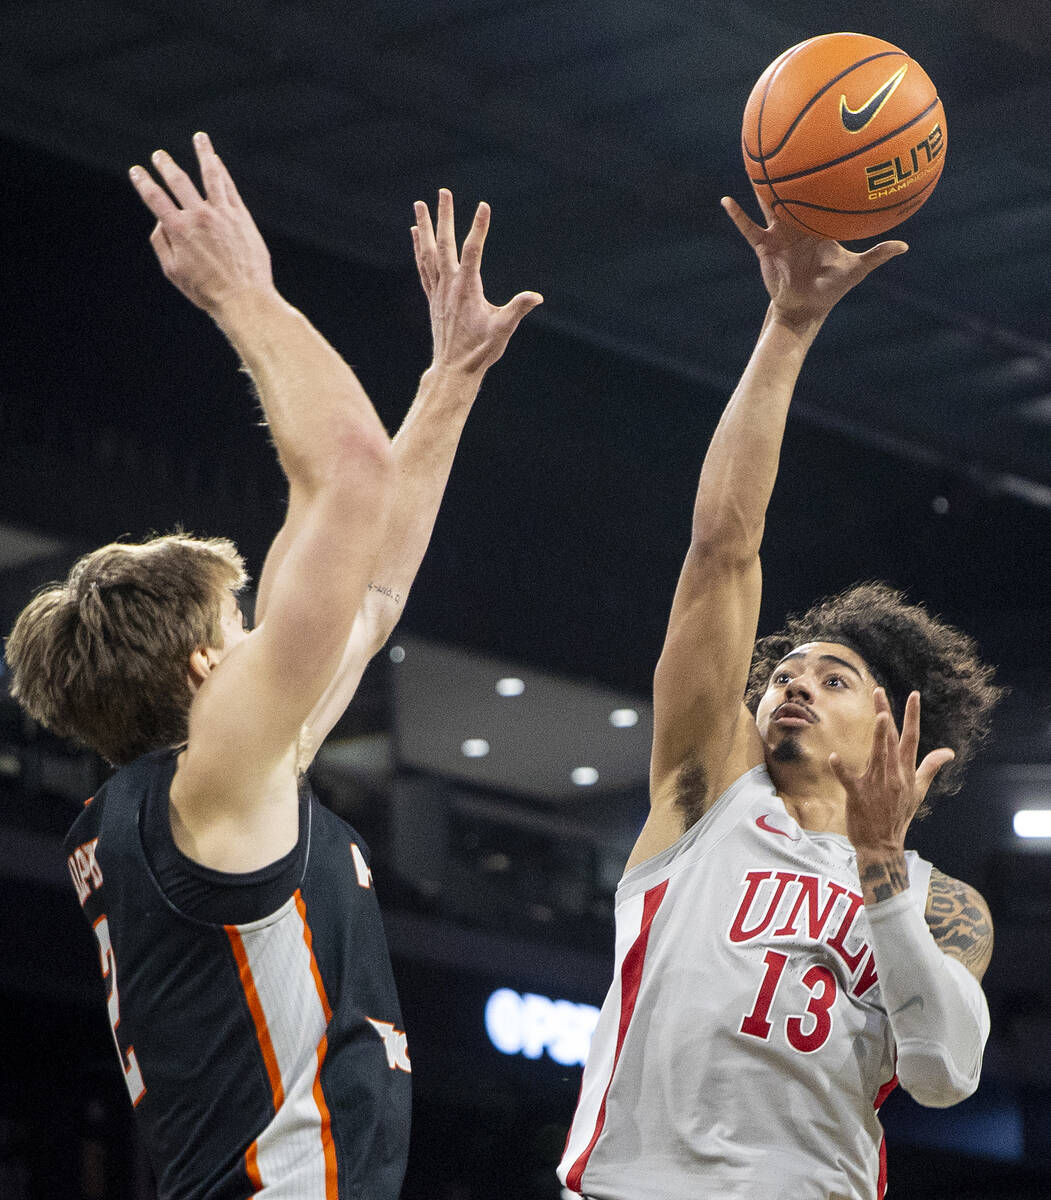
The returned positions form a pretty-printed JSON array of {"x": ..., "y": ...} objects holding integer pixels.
[{"x": 235, "y": 792}]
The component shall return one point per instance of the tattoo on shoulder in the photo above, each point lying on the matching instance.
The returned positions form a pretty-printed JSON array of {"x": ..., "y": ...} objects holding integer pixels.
[
  {"x": 385, "y": 590},
  {"x": 959, "y": 918},
  {"x": 691, "y": 792}
]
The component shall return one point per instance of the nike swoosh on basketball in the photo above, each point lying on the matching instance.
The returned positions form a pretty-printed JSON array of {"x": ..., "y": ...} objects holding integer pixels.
[
  {"x": 855, "y": 119},
  {"x": 767, "y": 828}
]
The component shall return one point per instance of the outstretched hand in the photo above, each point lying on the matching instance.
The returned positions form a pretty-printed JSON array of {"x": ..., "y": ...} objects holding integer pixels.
[
  {"x": 208, "y": 246},
  {"x": 469, "y": 333},
  {"x": 883, "y": 799},
  {"x": 805, "y": 275}
]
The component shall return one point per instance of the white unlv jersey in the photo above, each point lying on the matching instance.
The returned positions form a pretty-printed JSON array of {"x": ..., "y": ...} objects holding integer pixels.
[{"x": 742, "y": 1050}]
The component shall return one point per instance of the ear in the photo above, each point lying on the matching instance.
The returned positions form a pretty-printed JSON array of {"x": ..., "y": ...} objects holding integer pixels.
[{"x": 199, "y": 666}]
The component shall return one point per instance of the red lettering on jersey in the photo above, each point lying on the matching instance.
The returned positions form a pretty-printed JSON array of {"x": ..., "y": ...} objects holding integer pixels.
[
  {"x": 839, "y": 937},
  {"x": 810, "y": 909},
  {"x": 808, "y": 893},
  {"x": 867, "y": 978},
  {"x": 84, "y": 869},
  {"x": 754, "y": 879}
]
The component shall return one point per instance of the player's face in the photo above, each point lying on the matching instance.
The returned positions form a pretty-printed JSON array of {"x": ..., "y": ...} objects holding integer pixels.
[{"x": 819, "y": 699}]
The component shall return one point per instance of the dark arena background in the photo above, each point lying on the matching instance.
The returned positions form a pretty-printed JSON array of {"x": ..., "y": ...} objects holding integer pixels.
[{"x": 603, "y": 135}]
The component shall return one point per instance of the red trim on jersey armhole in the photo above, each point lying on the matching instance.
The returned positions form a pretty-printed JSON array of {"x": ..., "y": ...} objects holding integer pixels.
[
  {"x": 630, "y": 982},
  {"x": 881, "y": 1095},
  {"x": 255, "y": 1007},
  {"x": 328, "y": 1145}
]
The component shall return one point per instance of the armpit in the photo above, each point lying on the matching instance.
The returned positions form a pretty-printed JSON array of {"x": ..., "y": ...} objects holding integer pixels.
[
  {"x": 960, "y": 921},
  {"x": 691, "y": 791}
]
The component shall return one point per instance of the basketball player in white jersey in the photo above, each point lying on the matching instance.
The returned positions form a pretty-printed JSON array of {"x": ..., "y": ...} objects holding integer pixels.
[{"x": 782, "y": 962}]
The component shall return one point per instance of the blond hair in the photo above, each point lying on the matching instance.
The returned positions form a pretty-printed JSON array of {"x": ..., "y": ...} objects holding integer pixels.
[{"x": 104, "y": 657}]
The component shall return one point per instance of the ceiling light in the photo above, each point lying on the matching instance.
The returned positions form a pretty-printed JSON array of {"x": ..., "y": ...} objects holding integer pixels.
[
  {"x": 584, "y": 776},
  {"x": 510, "y": 686},
  {"x": 623, "y": 718},
  {"x": 1033, "y": 823},
  {"x": 475, "y": 748}
]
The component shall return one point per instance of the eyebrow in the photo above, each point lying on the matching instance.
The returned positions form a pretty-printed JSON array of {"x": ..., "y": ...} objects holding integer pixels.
[{"x": 822, "y": 658}]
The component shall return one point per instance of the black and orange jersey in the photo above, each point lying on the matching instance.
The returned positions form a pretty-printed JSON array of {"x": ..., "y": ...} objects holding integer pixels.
[{"x": 255, "y": 1016}]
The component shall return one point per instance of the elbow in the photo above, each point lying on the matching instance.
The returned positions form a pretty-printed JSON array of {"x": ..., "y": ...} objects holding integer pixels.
[
  {"x": 932, "y": 1079},
  {"x": 360, "y": 460},
  {"x": 723, "y": 550},
  {"x": 724, "y": 534},
  {"x": 365, "y": 447}
]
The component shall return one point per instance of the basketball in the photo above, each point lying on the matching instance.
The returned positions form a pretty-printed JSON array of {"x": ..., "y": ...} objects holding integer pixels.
[{"x": 844, "y": 136}]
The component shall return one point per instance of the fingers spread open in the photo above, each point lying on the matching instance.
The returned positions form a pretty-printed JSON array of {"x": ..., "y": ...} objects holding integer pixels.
[
  {"x": 910, "y": 730},
  {"x": 877, "y": 767},
  {"x": 446, "y": 240},
  {"x": 423, "y": 222},
  {"x": 471, "y": 257},
  {"x": 930, "y": 767},
  {"x": 179, "y": 183},
  {"x": 424, "y": 248},
  {"x": 752, "y": 233},
  {"x": 878, "y": 255},
  {"x": 767, "y": 211},
  {"x": 152, "y": 194},
  {"x": 517, "y": 307},
  {"x": 212, "y": 170}
]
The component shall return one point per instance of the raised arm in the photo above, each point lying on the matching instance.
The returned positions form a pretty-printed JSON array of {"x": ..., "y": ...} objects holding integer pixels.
[
  {"x": 236, "y": 777},
  {"x": 703, "y": 736},
  {"x": 469, "y": 335}
]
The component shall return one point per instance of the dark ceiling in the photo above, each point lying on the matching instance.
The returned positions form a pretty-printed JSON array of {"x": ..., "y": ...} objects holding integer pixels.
[{"x": 603, "y": 135}]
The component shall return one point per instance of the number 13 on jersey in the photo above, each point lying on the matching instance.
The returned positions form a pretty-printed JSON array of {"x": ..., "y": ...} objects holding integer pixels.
[{"x": 805, "y": 1033}]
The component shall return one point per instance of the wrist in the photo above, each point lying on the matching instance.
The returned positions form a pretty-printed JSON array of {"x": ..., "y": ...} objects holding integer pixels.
[
  {"x": 443, "y": 372},
  {"x": 799, "y": 324},
  {"x": 883, "y": 871},
  {"x": 240, "y": 307}
]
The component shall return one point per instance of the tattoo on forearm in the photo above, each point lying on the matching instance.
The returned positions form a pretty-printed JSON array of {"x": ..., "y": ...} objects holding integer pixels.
[
  {"x": 386, "y": 590},
  {"x": 958, "y": 918},
  {"x": 885, "y": 878}
]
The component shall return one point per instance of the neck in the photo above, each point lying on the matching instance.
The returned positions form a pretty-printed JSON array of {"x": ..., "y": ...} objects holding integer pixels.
[{"x": 814, "y": 799}]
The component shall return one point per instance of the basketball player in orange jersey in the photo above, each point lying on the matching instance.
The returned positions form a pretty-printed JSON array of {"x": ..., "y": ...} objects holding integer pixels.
[
  {"x": 248, "y": 981},
  {"x": 782, "y": 961}
]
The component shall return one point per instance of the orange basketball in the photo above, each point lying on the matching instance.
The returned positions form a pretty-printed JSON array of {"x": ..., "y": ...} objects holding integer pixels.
[{"x": 844, "y": 135}]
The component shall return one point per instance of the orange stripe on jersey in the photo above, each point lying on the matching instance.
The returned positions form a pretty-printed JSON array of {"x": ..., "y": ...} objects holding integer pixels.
[
  {"x": 252, "y": 1167},
  {"x": 262, "y": 1032},
  {"x": 331, "y": 1170},
  {"x": 327, "y": 1144},
  {"x": 308, "y": 937}
]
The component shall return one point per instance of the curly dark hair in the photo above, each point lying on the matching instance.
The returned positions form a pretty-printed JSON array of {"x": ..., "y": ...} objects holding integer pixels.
[{"x": 906, "y": 649}]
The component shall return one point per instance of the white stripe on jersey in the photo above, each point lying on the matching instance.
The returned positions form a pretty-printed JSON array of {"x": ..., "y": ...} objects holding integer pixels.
[{"x": 290, "y": 1148}]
